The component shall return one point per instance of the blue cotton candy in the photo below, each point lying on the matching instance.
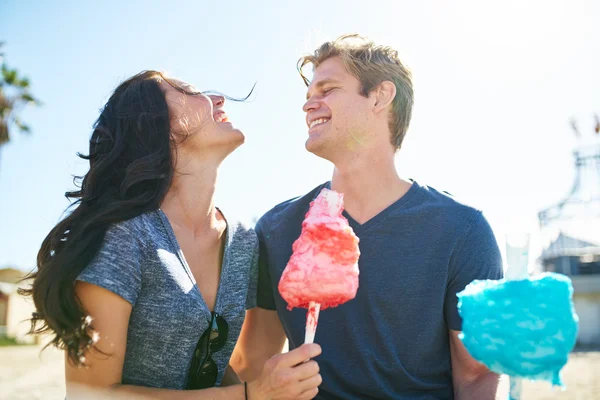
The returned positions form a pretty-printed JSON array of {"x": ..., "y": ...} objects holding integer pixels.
[{"x": 522, "y": 328}]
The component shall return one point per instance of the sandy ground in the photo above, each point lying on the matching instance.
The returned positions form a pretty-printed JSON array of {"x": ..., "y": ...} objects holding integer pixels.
[{"x": 27, "y": 374}]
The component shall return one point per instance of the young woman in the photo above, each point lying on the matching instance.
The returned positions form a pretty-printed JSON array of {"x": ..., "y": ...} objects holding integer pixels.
[{"x": 145, "y": 283}]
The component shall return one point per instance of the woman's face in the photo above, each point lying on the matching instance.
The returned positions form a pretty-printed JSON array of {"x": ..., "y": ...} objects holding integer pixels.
[{"x": 200, "y": 119}]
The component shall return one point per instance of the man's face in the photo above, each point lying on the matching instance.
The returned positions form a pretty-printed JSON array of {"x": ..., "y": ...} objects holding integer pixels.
[{"x": 337, "y": 115}]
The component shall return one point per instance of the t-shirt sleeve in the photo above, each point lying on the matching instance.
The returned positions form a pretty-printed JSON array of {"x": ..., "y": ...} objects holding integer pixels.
[
  {"x": 252, "y": 285},
  {"x": 477, "y": 256},
  {"x": 265, "y": 298},
  {"x": 117, "y": 265}
]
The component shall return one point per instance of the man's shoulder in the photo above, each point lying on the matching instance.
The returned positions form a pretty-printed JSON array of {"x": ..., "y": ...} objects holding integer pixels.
[
  {"x": 288, "y": 211},
  {"x": 461, "y": 218},
  {"x": 446, "y": 212},
  {"x": 442, "y": 200}
]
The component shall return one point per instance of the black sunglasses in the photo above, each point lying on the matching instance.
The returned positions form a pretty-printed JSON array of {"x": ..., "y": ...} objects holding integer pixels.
[{"x": 204, "y": 371}]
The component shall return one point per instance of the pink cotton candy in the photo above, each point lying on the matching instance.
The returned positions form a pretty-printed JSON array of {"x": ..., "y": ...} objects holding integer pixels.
[{"x": 324, "y": 265}]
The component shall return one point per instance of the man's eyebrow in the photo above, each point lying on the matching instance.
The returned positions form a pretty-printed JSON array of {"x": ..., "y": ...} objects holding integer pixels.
[{"x": 322, "y": 83}]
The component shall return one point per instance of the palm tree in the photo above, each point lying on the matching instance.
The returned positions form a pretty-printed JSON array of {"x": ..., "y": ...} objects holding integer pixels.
[{"x": 14, "y": 95}]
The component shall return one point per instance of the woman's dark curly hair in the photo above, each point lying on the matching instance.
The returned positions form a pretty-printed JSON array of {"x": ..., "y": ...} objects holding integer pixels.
[{"x": 131, "y": 168}]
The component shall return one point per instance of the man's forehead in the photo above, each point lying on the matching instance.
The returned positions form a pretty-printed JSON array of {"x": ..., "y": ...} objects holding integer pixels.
[
  {"x": 322, "y": 80},
  {"x": 330, "y": 71},
  {"x": 325, "y": 75},
  {"x": 332, "y": 68}
]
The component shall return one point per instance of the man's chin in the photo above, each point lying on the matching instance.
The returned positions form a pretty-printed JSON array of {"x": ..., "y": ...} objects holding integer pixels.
[{"x": 314, "y": 145}]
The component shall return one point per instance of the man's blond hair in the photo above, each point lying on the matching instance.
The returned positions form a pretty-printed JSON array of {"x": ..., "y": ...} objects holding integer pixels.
[{"x": 371, "y": 64}]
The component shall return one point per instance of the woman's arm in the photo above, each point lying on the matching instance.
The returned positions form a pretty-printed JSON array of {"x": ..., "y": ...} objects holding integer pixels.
[
  {"x": 103, "y": 373},
  {"x": 283, "y": 377},
  {"x": 230, "y": 377}
]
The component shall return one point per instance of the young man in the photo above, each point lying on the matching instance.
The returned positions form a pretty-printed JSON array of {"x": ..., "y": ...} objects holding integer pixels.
[{"x": 398, "y": 339}]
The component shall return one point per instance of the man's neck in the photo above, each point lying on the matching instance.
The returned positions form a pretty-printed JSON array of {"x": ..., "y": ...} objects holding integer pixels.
[{"x": 369, "y": 184}]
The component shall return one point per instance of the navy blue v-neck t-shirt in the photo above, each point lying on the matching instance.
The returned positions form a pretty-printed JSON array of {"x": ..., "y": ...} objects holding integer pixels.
[{"x": 392, "y": 340}]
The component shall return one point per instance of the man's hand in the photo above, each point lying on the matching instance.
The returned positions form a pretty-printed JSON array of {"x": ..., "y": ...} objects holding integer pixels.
[
  {"x": 288, "y": 376},
  {"x": 472, "y": 380},
  {"x": 261, "y": 338}
]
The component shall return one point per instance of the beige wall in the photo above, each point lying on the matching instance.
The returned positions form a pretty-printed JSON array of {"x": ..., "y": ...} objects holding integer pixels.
[
  {"x": 19, "y": 310},
  {"x": 588, "y": 310},
  {"x": 15, "y": 310},
  {"x": 11, "y": 275},
  {"x": 3, "y": 308}
]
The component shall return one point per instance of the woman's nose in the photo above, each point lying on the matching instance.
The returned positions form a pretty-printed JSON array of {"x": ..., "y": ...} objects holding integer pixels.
[{"x": 218, "y": 101}]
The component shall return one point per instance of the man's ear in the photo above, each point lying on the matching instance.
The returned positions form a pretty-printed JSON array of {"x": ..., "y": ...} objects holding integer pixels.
[{"x": 384, "y": 95}]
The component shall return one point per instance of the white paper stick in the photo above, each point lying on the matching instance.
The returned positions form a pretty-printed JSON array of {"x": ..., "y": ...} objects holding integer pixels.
[
  {"x": 517, "y": 258},
  {"x": 516, "y": 385},
  {"x": 312, "y": 318}
]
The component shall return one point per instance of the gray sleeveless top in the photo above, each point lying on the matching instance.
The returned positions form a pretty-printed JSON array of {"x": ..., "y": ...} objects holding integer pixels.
[{"x": 141, "y": 261}]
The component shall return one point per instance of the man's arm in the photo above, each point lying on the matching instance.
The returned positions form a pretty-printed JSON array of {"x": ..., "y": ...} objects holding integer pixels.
[
  {"x": 477, "y": 256},
  {"x": 262, "y": 337},
  {"x": 471, "y": 379}
]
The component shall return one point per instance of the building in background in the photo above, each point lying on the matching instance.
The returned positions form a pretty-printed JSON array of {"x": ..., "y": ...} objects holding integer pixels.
[
  {"x": 15, "y": 310},
  {"x": 570, "y": 233}
]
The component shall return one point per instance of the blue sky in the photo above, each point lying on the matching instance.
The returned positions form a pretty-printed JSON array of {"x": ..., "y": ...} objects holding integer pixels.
[{"x": 496, "y": 84}]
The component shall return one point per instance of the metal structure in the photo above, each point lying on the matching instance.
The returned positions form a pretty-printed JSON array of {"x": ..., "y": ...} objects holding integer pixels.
[{"x": 574, "y": 223}]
